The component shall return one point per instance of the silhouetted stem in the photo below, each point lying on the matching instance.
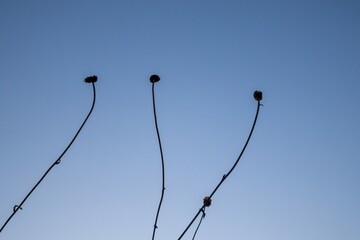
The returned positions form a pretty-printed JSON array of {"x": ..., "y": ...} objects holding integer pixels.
[
  {"x": 197, "y": 228},
  {"x": 162, "y": 164},
  {"x": 57, "y": 161},
  {"x": 226, "y": 175}
]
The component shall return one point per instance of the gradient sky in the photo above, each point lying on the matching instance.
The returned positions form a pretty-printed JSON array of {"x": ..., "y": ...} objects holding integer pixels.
[{"x": 299, "y": 177}]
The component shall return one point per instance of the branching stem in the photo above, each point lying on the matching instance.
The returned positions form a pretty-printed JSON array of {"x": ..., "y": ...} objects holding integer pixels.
[{"x": 226, "y": 175}]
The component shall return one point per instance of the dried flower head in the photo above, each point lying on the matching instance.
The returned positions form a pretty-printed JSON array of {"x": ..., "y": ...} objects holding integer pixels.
[
  {"x": 258, "y": 95},
  {"x": 90, "y": 79},
  {"x": 154, "y": 78}
]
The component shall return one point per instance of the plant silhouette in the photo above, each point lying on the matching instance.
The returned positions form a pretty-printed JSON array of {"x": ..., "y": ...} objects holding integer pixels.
[
  {"x": 92, "y": 80},
  {"x": 153, "y": 79},
  {"x": 207, "y": 200}
]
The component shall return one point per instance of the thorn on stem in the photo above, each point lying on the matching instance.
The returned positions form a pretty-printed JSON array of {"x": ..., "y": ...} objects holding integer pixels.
[{"x": 16, "y": 207}]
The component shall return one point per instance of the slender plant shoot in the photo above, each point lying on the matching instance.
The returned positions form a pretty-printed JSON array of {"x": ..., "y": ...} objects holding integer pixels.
[
  {"x": 92, "y": 80},
  {"x": 153, "y": 80},
  {"x": 207, "y": 199}
]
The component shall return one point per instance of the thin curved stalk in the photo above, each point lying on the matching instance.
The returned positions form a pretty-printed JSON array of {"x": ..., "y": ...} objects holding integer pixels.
[
  {"x": 226, "y": 175},
  {"x": 162, "y": 164},
  {"x": 57, "y": 161},
  {"x": 198, "y": 226}
]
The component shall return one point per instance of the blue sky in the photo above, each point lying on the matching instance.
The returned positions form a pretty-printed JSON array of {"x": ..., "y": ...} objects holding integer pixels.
[{"x": 299, "y": 177}]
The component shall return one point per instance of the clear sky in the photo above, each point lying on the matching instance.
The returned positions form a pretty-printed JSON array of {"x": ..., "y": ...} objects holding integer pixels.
[{"x": 299, "y": 177}]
